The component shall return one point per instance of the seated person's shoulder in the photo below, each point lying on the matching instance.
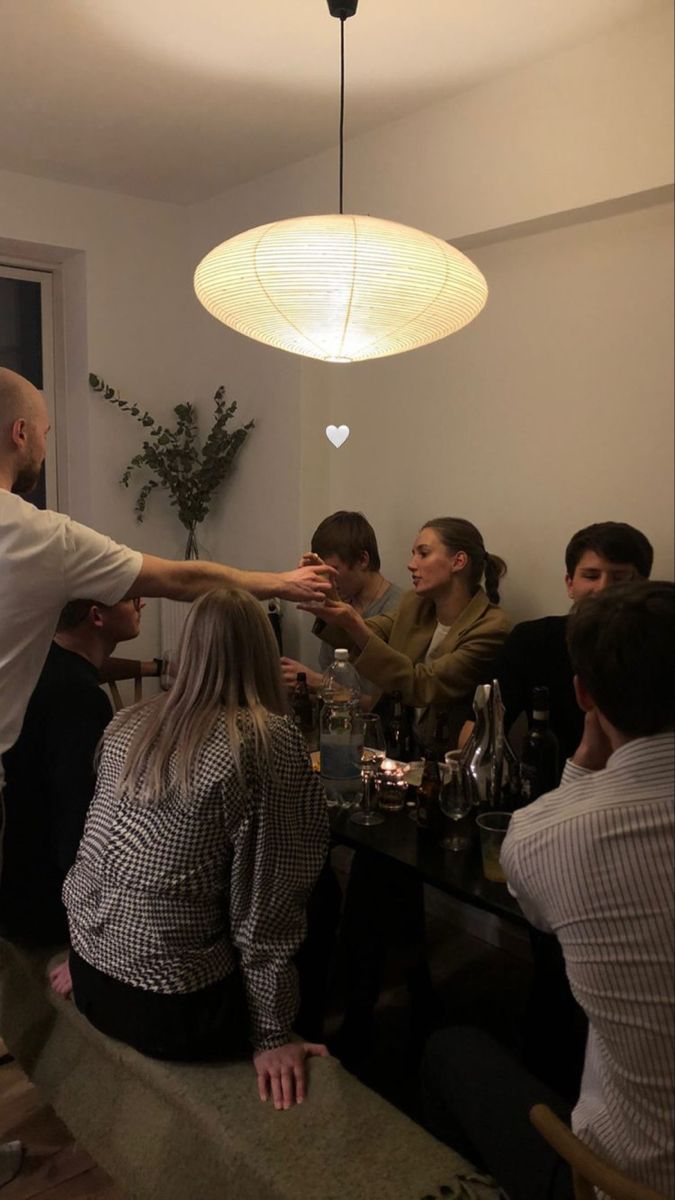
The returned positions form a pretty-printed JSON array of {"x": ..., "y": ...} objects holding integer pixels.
[
  {"x": 69, "y": 681},
  {"x": 392, "y": 598},
  {"x": 286, "y": 738},
  {"x": 541, "y": 632},
  {"x": 410, "y": 603}
]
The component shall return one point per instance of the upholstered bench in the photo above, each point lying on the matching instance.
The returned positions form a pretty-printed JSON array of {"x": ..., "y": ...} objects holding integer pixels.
[{"x": 169, "y": 1131}]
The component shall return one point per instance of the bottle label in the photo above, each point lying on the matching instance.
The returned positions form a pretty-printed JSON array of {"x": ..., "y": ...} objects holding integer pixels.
[
  {"x": 340, "y": 757},
  {"x": 528, "y": 782}
]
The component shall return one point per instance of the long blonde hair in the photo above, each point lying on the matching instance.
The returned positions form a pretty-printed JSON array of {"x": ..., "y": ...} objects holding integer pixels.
[{"x": 228, "y": 664}]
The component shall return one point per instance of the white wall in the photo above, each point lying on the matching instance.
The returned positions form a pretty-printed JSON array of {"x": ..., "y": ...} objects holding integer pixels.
[
  {"x": 526, "y": 421},
  {"x": 586, "y": 127},
  {"x": 552, "y": 410},
  {"x": 127, "y": 259}
]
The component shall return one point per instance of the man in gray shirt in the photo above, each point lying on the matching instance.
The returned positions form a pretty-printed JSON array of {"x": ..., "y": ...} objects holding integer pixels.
[{"x": 347, "y": 542}]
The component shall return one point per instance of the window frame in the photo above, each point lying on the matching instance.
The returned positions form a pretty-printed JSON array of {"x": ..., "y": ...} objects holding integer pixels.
[{"x": 45, "y": 278}]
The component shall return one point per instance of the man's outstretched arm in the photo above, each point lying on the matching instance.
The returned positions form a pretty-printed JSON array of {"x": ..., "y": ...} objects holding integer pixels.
[{"x": 185, "y": 580}]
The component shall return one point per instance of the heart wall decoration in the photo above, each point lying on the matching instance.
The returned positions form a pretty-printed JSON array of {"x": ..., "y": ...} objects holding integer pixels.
[{"x": 337, "y": 434}]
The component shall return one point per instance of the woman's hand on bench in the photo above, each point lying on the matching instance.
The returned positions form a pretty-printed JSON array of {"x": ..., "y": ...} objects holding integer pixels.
[
  {"x": 281, "y": 1072},
  {"x": 59, "y": 979}
]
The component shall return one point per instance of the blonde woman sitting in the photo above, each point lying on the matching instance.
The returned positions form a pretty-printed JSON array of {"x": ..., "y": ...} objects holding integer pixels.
[{"x": 207, "y": 832}]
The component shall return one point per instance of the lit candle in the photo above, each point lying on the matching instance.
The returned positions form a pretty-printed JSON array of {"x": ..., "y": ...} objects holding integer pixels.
[{"x": 391, "y": 786}]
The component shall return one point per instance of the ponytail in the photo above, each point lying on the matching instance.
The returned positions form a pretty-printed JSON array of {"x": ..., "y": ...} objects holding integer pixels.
[{"x": 495, "y": 568}]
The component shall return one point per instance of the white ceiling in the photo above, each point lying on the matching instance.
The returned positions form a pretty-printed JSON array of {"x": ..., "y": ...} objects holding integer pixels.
[{"x": 179, "y": 100}]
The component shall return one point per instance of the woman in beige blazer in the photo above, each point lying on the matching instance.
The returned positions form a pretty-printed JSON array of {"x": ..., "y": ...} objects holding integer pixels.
[
  {"x": 443, "y": 637},
  {"x": 434, "y": 648}
]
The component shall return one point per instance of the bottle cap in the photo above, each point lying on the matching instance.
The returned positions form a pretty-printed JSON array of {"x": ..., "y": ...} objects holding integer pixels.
[
  {"x": 342, "y": 655},
  {"x": 540, "y": 704}
]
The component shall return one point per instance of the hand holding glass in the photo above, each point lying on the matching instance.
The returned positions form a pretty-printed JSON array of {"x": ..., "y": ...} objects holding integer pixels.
[{"x": 374, "y": 747}]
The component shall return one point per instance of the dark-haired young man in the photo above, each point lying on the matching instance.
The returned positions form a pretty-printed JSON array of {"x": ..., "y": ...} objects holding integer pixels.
[
  {"x": 535, "y": 652},
  {"x": 50, "y": 769},
  {"x": 347, "y": 542},
  {"x": 592, "y": 863}
]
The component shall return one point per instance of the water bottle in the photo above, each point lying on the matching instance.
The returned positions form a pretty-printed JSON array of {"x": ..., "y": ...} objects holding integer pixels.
[{"x": 341, "y": 736}]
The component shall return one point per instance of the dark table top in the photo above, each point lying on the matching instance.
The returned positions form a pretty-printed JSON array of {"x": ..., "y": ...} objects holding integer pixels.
[{"x": 460, "y": 874}]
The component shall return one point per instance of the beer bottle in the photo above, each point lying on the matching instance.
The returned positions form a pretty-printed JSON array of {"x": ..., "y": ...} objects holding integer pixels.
[
  {"x": 441, "y": 737},
  {"x": 428, "y": 812},
  {"x": 301, "y": 706},
  {"x": 540, "y": 758}
]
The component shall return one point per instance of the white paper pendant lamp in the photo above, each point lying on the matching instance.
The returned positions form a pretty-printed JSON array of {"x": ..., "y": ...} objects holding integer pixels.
[{"x": 340, "y": 287}]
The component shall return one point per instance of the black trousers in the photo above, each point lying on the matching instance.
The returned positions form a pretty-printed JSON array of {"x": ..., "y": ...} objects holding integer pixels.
[
  {"x": 209, "y": 1024},
  {"x": 384, "y": 912},
  {"x": 556, "y": 1027},
  {"x": 476, "y": 1098}
]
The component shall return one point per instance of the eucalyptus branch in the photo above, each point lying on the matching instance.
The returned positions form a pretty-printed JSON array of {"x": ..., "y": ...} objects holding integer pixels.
[{"x": 173, "y": 457}]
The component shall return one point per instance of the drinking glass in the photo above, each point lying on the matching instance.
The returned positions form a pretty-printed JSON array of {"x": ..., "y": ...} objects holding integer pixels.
[
  {"x": 373, "y": 752},
  {"x": 455, "y": 801},
  {"x": 493, "y": 828}
]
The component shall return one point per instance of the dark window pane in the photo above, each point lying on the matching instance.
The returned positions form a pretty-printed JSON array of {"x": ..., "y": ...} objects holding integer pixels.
[
  {"x": 21, "y": 328},
  {"x": 21, "y": 344}
]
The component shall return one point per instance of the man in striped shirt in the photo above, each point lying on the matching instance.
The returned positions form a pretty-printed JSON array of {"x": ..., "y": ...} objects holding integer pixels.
[{"x": 592, "y": 862}]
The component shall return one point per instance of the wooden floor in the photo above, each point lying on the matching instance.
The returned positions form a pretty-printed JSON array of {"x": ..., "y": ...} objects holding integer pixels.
[{"x": 54, "y": 1166}]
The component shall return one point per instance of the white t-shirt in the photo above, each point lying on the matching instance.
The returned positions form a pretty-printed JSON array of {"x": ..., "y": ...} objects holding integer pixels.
[
  {"x": 440, "y": 632},
  {"x": 46, "y": 560}
]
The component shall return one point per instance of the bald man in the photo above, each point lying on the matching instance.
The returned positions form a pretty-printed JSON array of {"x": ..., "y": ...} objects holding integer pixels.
[{"x": 46, "y": 560}]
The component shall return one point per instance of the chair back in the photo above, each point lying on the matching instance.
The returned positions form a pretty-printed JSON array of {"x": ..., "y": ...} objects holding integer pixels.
[
  {"x": 588, "y": 1170},
  {"x": 117, "y": 700}
]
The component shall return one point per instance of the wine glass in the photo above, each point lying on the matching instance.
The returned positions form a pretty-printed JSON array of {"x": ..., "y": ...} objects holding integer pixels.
[
  {"x": 372, "y": 753},
  {"x": 455, "y": 801}
]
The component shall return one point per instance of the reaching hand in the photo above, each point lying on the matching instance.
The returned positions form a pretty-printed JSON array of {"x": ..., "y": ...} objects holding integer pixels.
[
  {"x": 307, "y": 584},
  {"x": 290, "y": 670},
  {"x": 333, "y": 612},
  {"x": 281, "y": 1072},
  {"x": 594, "y": 748},
  {"x": 313, "y": 560}
]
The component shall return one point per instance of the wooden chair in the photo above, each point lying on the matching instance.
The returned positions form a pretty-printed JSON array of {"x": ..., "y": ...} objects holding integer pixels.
[
  {"x": 117, "y": 700},
  {"x": 588, "y": 1171}
]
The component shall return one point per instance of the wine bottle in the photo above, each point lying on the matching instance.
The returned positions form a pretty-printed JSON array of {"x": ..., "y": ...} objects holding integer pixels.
[
  {"x": 301, "y": 706},
  {"x": 540, "y": 758},
  {"x": 428, "y": 812},
  {"x": 397, "y": 731}
]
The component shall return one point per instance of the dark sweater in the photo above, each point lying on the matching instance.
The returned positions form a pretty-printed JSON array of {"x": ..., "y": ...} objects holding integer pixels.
[
  {"x": 535, "y": 654},
  {"x": 49, "y": 785}
]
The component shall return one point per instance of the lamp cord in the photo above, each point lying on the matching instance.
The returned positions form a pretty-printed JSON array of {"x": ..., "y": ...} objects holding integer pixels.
[{"x": 342, "y": 107}]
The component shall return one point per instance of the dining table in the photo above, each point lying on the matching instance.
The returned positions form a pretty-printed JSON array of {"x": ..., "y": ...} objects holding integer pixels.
[{"x": 457, "y": 873}]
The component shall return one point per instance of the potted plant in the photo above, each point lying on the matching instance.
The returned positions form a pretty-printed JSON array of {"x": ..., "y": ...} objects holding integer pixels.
[{"x": 176, "y": 462}]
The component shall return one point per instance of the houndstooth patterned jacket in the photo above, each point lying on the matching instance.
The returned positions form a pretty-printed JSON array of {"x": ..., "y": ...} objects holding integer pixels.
[{"x": 173, "y": 896}]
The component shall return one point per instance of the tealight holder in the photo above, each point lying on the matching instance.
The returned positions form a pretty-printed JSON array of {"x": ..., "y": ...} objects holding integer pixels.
[{"x": 391, "y": 785}]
